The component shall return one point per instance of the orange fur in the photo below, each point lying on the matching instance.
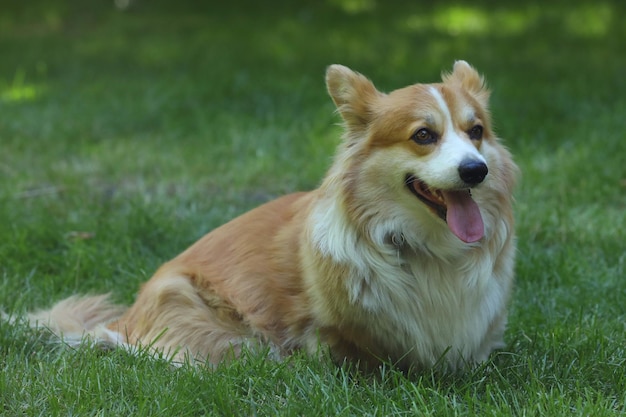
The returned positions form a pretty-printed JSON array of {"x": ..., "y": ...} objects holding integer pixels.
[{"x": 359, "y": 265}]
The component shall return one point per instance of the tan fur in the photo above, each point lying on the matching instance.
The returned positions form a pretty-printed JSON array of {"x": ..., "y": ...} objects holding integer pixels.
[{"x": 359, "y": 265}]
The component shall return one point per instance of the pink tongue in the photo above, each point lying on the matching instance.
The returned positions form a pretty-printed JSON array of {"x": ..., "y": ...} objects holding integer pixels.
[{"x": 464, "y": 219}]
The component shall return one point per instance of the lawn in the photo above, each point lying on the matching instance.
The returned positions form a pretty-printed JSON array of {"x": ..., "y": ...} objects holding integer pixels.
[{"x": 129, "y": 129}]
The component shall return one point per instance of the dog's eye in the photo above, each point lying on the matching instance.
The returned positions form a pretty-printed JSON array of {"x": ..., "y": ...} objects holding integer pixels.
[
  {"x": 476, "y": 132},
  {"x": 424, "y": 136}
]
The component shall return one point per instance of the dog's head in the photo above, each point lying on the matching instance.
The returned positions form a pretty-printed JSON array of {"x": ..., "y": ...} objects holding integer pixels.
[{"x": 426, "y": 145}]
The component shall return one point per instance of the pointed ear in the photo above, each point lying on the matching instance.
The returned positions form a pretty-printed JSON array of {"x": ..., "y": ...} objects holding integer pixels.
[
  {"x": 468, "y": 78},
  {"x": 352, "y": 93}
]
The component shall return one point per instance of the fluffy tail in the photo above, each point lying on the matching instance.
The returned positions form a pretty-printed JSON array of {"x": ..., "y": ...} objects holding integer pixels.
[{"x": 81, "y": 318}]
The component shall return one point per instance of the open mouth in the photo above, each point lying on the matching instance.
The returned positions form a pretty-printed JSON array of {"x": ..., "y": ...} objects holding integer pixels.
[
  {"x": 456, "y": 207},
  {"x": 433, "y": 198}
]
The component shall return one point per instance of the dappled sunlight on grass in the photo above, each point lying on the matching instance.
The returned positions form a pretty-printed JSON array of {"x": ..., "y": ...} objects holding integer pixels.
[
  {"x": 577, "y": 20},
  {"x": 458, "y": 19},
  {"x": 20, "y": 90},
  {"x": 453, "y": 19},
  {"x": 354, "y": 6},
  {"x": 23, "y": 92},
  {"x": 591, "y": 21}
]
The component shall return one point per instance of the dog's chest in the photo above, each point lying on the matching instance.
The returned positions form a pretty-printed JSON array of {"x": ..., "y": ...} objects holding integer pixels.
[{"x": 425, "y": 306}]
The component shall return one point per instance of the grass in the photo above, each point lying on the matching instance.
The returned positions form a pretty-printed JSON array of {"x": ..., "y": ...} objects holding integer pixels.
[{"x": 127, "y": 133}]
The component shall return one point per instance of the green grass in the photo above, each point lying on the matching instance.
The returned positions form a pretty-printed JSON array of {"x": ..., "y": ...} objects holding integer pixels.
[{"x": 127, "y": 134}]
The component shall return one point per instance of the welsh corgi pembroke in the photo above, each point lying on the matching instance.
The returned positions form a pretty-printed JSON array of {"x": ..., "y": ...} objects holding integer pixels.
[{"x": 403, "y": 255}]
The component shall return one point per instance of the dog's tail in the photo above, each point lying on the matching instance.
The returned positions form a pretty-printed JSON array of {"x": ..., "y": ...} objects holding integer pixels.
[{"x": 80, "y": 319}]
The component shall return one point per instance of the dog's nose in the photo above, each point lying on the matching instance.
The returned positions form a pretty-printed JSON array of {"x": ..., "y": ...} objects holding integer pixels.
[{"x": 472, "y": 171}]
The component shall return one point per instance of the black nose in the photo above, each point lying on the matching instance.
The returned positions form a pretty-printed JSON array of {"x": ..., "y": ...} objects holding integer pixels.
[{"x": 472, "y": 172}]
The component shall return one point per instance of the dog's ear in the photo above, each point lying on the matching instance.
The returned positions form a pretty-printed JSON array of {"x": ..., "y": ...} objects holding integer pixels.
[
  {"x": 353, "y": 95},
  {"x": 468, "y": 78}
]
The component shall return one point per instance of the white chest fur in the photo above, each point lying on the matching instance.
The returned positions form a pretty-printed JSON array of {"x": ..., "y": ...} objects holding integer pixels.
[
  {"x": 428, "y": 307},
  {"x": 425, "y": 301}
]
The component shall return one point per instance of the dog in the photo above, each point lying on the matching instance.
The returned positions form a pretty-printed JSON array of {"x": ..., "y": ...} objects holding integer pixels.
[{"x": 403, "y": 255}]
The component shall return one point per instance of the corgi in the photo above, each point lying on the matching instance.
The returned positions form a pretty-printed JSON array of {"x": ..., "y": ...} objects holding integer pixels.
[{"x": 403, "y": 255}]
